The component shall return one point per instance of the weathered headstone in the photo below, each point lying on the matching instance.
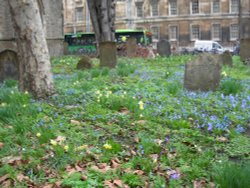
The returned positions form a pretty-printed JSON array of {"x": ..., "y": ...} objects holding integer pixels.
[
  {"x": 226, "y": 59},
  {"x": 164, "y": 48},
  {"x": 202, "y": 74},
  {"x": 244, "y": 51},
  {"x": 84, "y": 63},
  {"x": 8, "y": 65},
  {"x": 107, "y": 52},
  {"x": 131, "y": 47}
]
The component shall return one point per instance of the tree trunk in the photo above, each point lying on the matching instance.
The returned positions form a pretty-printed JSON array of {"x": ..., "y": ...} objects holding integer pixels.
[
  {"x": 34, "y": 61},
  {"x": 102, "y": 13}
]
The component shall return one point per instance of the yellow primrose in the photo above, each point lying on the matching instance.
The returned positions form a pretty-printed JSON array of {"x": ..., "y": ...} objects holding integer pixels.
[
  {"x": 53, "y": 142},
  {"x": 82, "y": 147},
  {"x": 97, "y": 92},
  {"x": 26, "y": 92},
  {"x": 141, "y": 105},
  {"x": 224, "y": 73},
  {"x": 141, "y": 115},
  {"x": 3, "y": 104},
  {"x": 24, "y": 105},
  {"x": 66, "y": 148},
  {"x": 107, "y": 146},
  {"x": 38, "y": 134}
]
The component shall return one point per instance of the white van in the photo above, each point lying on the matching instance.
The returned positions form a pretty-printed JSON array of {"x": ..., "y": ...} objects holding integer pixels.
[{"x": 208, "y": 46}]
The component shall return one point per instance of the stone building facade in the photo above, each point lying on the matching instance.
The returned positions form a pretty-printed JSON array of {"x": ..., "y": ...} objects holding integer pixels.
[
  {"x": 179, "y": 21},
  {"x": 54, "y": 27}
]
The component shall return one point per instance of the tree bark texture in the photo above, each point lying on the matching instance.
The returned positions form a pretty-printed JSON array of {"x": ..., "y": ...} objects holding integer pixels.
[
  {"x": 34, "y": 61},
  {"x": 102, "y": 13}
]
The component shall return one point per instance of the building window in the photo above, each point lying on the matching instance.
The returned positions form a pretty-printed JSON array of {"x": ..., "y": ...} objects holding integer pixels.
[
  {"x": 234, "y": 6},
  {"x": 195, "y": 32},
  {"x": 216, "y": 30},
  {"x": 234, "y": 32},
  {"x": 195, "y": 6},
  {"x": 139, "y": 9},
  {"x": 79, "y": 14},
  {"x": 216, "y": 6},
  {"x": 173, "y": 33},
  {"x": 173, "y": 7},
  {"x": 155, "y": 8},
  {"x": 155, "y": 32}
]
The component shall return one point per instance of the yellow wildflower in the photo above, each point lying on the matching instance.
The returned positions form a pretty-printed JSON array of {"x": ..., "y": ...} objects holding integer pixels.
[
  {"x": 141, "y": 105},
  {"x": 3, "y": 104},
  {"x": 224, "y": 73},
  {"x": 26, "y": 92},
  {"x": 107, "y": 146},
  {"x": 66, "y": 148},
  {"x": 82, "y": 147},
  {"x": 38, "y": 134},
  {"x": 53, "y": 142}
]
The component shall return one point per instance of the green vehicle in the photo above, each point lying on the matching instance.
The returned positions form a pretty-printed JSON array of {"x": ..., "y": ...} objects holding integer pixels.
[{"x": 85, "y": 43}]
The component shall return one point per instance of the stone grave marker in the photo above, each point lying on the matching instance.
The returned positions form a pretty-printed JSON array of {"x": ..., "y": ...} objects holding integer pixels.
[
  {"x": 225, "y": 58},
  {"x": 8, "y": 65},
  {"x": 245, "y": 51},
  {"x": 202, "y": 74},
  {"x": 84, "y": 63},
  {"x": 164, "y": 48},
  {"x": 131, "y": 47},
  {"x": 107, "y": 52}
]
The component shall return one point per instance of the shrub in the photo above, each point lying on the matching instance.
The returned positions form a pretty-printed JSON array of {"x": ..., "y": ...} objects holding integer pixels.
[
  {"x": 230, "y": 175},
  {"x": 230, "y": 86}
]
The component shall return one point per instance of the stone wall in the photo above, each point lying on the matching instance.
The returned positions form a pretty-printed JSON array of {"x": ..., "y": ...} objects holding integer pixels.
[{"x": 54, "y": 27}]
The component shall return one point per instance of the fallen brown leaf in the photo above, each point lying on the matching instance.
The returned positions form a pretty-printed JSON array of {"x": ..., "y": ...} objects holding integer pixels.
[
  {"x": 20, "y": 177},
  {"x": 1, "y": 145},
  {"x": 48, "y": 186},
  {"x": 84, "y": 178},
  {"x": 199, "y": 183},
  {"x": 138, "y": 172},
  {"x": 222, "y": 139},
  {"x": 75, "y": 122},
  {"x": 109, "y": 184},
  {"x": 115, "y": 164},
  {"x": 3, "y": 178},
  {"x": 11, "y": 159},
  {"x": 6, "y": 184}
]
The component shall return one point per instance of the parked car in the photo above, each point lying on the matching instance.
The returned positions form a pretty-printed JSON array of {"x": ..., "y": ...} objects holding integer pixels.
[{"x": 208, "y": 46}]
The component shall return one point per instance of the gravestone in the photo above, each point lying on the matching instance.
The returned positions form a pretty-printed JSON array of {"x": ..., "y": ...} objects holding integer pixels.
[
  {"x": 107, "y": 52},
  {"x": 226, "y": 59},
  {"x": 84, "y": 63},
  {"x": 131, "y": 47},
  {"x": 164, "y": 48},
  {"x": 202, "y": 74},
  {"x": 245, "y": 51},
  {"x": 8, "y": 65}
]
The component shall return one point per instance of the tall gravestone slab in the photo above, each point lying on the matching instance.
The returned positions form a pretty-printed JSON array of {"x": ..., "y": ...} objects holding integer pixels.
[
  {"x": 164, "y": 48},
  {"x": 202, "y": 74},
  {"x": 108, "y": 56},
  {"x": 245, "y": 51},
  {"x": 224, "y": 59},
  {"x": 8, "y": 65},
  {"x": 131, "y": 47}
]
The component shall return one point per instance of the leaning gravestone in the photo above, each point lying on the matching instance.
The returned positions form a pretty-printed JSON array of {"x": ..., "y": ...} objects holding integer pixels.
[
  {"x": 107, "y": 52},
  {"x": 202, "y": 74},
  {"x": 244, "y": 51},
  {"x": 84, "y": 63},
  {"x": 8, "y": 65},
  {"x": 164, "y": 48},
  {"x": 131, "y": 47},
  {"x": 226, "y": 59}
]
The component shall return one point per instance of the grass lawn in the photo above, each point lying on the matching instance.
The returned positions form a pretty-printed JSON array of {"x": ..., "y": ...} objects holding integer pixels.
[{"x": 133, "y": 126}]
